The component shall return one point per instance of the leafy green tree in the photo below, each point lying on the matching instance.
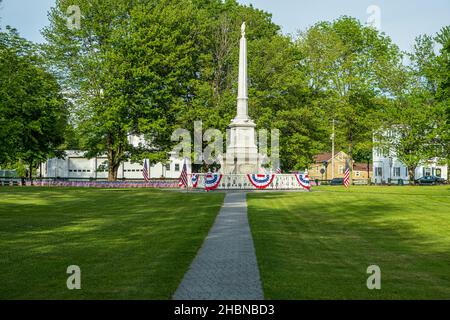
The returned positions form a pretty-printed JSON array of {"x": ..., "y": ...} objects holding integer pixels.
[
  {"x": 411, "y": 131},
  {"x": 443, "y": 93},
  {"x": 354, "y": 66},
  {"x": 33, "y": 114},
  {"x": 429, "y": 72},
  {"x": 129, "y": 68}
]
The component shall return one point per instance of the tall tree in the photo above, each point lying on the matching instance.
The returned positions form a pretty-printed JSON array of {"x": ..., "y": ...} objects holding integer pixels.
[
  {"x": 429, "y": 73},
  {"x": 415, "y": 128},
  {"x": 128, "y": 68},
  {"x": 410, "y": 131},
  {"x": 354, "y": 65},
  {"x": 33, "y": 113},
  {"x": 443, "y": 93}
]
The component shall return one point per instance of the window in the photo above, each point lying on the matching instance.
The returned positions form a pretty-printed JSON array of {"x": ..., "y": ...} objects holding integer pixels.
[
  {"x": 396, "y": 172},
  {"x": 438, "y": 172},
  {"x": 378, "y": 171},
  {"x": 358, "y": 173},
  {"x": 177, "y": 167},
  {"x": 341, "y": 169},
  {"x": 168, "y": 167},
  {"x": 426, "y": 172}
]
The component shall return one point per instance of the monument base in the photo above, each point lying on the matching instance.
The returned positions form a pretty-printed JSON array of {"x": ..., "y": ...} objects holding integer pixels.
[
  {"x": 242, "y": 155},
  {"x": 230, "y": 166}
]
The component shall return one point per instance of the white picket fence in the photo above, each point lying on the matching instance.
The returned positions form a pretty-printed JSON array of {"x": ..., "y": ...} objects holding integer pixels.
[{"x": 241, "y": 182}]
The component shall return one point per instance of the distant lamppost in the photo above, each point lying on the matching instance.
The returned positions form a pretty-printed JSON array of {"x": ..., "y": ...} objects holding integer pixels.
[{"x": 325, "y": 165}]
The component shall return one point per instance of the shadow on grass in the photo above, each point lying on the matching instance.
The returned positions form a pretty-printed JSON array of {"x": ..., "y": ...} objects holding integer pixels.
[
  {"x": 128, "y": 244},
  {"x": 319, "y": 245}
]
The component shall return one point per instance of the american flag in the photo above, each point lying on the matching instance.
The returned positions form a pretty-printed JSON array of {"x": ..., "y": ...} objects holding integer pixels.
[
  {"x": 183, "y": 181},
  {"x": 347, "y": 175},
  {"x": 145, "y": 171},
  {"x": 278, "y": 171}
]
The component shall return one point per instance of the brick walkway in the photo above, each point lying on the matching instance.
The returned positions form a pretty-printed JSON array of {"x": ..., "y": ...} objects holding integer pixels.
[{"x": 225, "y": 267}]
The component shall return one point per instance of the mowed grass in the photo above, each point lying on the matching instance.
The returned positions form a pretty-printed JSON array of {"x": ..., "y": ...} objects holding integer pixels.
[
  {"x": 318, "y": 245},
  {"x": 129, "y": 243}
]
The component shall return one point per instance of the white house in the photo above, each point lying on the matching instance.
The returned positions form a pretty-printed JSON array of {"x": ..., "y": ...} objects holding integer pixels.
[
  {"x": 387, "y": 167},
  {"x": 76, "y": 166}
]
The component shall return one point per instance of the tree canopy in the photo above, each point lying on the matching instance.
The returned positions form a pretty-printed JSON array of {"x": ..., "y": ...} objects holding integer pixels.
[
  {"x": 33, "y": 113},
  {"x": 148, "y": 67}
]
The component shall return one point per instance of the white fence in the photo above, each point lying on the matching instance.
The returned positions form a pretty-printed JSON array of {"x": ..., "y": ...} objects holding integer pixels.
[{"x": 241, "y": 182}]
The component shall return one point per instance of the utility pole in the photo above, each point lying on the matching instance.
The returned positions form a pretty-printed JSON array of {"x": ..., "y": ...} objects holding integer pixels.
[{"x": 332, "y": 152}]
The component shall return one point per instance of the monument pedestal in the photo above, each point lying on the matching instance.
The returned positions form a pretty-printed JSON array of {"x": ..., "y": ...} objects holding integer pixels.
[{"x": 242, "y": 155}]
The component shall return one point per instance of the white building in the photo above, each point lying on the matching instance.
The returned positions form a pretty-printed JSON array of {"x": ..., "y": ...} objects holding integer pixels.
[
  {"x": 76, "y": 166},
  {"x": 387, "y": 167}
]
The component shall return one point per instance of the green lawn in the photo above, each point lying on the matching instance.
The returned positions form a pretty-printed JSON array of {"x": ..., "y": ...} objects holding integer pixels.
[
  {"x": 318, "y": 245},
  {"x": 129, "y": 243}
]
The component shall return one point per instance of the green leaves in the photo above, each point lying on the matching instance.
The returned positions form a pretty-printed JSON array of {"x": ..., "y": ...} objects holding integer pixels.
[
  {"x": 33, "y": 115},
  {"x": 353, "y": 67}
]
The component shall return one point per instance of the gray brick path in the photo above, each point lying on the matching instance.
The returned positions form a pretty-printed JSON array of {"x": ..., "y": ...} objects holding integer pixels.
[{"x": 225, "y": 267}]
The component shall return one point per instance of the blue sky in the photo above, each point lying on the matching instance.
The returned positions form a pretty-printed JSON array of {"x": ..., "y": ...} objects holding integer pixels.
[{"x": 403, "y": 20}]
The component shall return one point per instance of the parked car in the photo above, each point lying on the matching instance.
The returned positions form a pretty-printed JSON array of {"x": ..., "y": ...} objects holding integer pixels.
[
  {"x": 337, "y": 182},
  {"x": 430, "y": 180}
]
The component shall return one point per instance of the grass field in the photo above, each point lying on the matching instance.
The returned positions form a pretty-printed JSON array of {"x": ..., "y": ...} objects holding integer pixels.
[
  {"x": 129, "y": 243},
  {"x": 318, "y": 245}
]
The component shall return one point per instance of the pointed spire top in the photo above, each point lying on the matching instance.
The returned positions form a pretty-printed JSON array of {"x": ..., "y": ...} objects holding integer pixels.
[{"x": 243, "y": 29}]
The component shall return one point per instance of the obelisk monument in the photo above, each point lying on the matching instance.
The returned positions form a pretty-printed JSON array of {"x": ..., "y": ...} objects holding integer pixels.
[{"x": 242, "y": 153}]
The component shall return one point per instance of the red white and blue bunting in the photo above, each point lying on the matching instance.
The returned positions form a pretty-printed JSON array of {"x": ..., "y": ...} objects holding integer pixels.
[
  {"x": 261, "y": 181},
  {"x": 303, "y": 180},
  {"x": 194, "y": 179},
  {"x": 212, "y": 181}
]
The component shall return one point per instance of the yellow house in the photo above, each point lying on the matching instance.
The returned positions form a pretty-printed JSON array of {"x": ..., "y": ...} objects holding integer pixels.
[{"x": 322, "y": 167}]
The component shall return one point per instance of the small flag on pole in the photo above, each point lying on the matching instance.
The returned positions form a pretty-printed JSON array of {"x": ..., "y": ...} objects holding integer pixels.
[
  {"x": 183, "y": 181},
  {"x": 278, "y": 171},
  {"x": 145, "y": 171},
  {"x": 347, "y": 175}
]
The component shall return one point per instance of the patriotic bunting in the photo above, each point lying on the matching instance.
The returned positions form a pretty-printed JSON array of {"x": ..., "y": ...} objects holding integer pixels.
[
  {"x": 108, "y": 184},
  {"x": 261, "y": 181},
  {"x": 212, "y": 181},
  {"x": 303, "y": 180},
  {"x": 194, "y": 179}
]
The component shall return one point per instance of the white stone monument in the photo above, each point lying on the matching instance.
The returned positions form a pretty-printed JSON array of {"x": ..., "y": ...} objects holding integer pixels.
[{"x": 242, "y": 153}]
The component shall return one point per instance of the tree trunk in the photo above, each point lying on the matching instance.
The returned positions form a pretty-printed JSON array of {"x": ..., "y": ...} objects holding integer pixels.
[
  {"x": 448, "y": 170},
  {"x": 112, "y": 172},
  {"x": 113, "y": 166},
  {"x": 31, "y": 172},
  {"x": 411, "y": 173}
]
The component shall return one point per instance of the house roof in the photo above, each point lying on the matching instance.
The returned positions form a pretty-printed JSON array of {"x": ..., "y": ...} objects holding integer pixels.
[
  {"x": 361, "y": 167},
  {"x": 321, "y": 157},
  {"x": 326, "y": 156}
]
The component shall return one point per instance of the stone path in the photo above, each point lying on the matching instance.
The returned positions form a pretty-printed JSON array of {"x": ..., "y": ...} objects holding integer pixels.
[{"x": 225, "y": 267}]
